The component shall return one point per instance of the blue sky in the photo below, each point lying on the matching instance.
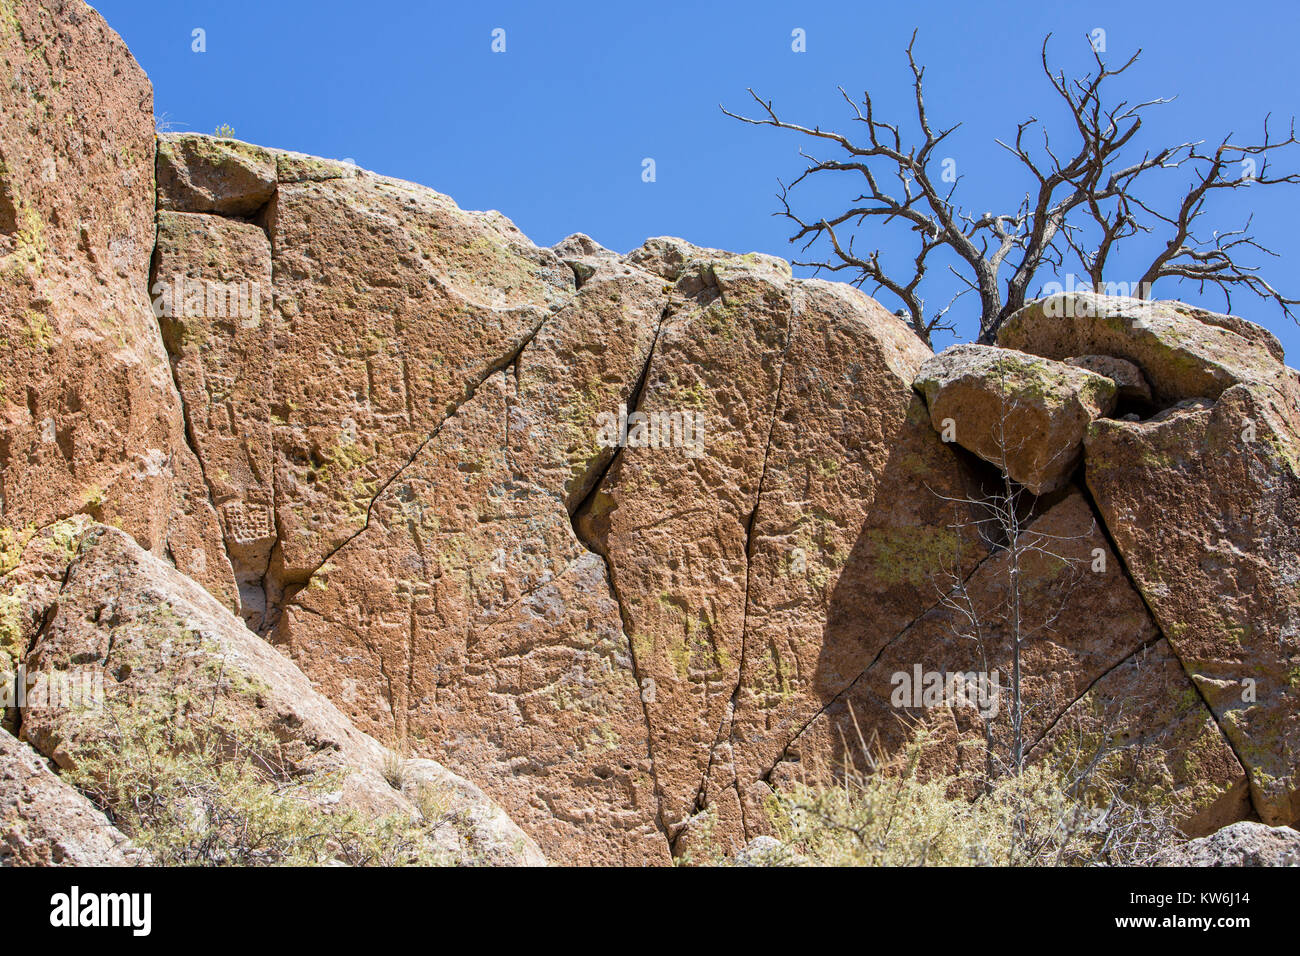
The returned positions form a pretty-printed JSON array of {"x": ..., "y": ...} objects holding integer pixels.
[{"x": 554, "y": 131}]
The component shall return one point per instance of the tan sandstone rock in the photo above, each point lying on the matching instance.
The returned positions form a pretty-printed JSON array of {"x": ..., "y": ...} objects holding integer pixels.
[
  {"x": 1022, "y": 413},
  {"x": 1184, "y": 352},
  {"x": 493, "y": 639},
  {"x": 89, "y": 419},
  {"x": 1151, "y": 740},
  {"x": 392, "y": 305},
  {"x": 1203, "y": 501},
  {"x": 758, "y": 577},
  {"x": 162, "y": 642},
  {"x": 199, "y": 173},
  {"x": 1084, "y": 630},
  {"x": 212, "y": 280},
  {"x": 45, "y": 822}
]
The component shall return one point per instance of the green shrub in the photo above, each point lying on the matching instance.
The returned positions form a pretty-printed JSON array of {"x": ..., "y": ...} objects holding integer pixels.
[
  {"x": 895, "y": 817},
  {"x": 191, "y": 787}
]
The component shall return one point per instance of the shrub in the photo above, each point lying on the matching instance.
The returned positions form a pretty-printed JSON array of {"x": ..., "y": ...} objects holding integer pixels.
[
  {"x": 892, "y": 816},
  {"x": 191, "y": 787}
]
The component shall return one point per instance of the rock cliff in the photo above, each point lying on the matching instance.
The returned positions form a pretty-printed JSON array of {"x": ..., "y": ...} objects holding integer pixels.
[{"x": 625, "y": 540}]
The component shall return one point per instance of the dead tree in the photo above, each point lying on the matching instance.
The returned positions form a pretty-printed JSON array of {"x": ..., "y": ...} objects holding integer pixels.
[
  {"x": 1001, "y": 518},
  {"x": 1081, "y": 204}
]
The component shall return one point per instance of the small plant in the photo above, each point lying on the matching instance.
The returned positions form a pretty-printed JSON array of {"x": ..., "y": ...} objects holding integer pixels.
[
  {"x": 394, "y": 769},
  {"x": 895, "y": 816},
  {"x": 224, "y": 131},
  {"x": 192, "y": 787}
]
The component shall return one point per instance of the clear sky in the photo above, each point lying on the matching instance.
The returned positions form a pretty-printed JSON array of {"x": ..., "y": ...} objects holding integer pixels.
[{"x": 554, "y": 131}]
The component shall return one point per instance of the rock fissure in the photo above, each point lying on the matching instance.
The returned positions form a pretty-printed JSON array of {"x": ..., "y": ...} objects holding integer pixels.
[
  {"x": 187, "y": 425},
  {"x": 750, "y": 521},
  {"x": 1047, "y": 731},
  {"x": 634, "y": 403},
  {"x": 1155, "y": 622},
  {"x": 766, "y": 775},
  {"x": 399, "y": 470},
  {"x": 431, "y": 437}
]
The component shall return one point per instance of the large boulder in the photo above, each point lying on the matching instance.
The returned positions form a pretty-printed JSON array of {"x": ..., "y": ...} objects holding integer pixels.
[
  {"x": 1184, "y": 351},
  {"x": 392, "y": 306},
  {"x": 1025, "y": 414},
  {"x": 89, "y": 418},
  {"x": 201, "y": 174},
  {"x": 758, "y": 574},
  {"x": 467, "y": 619},
  {"x": 46, "y": 822},
  {"x": 1203, "y": 501},
  {"x": 158, "y": 643},
  {"x": 1242, "y": 844},
  {"x": 454, "y": 412}
]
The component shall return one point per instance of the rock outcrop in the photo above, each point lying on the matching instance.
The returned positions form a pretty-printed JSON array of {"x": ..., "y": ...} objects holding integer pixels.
[
  {"x": 455, "y": 550},
  {"x": 1184, "y": 352},
  {"x": 1091, "y": 657},
  {"x": 89, "y": 419},
  {"x": 46, "y": 822},
  {"x": 1025, "y": 414},
  {"x": 606, "y": 546},
  {"x": 1242, "y": 844},
  {"x": 1203, "y": 502},
  {"x": 153, "y": 639}
]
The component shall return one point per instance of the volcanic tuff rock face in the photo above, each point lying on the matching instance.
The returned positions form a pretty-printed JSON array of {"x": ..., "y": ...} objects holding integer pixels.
[
  {"x": 625, "y": 540},
  {"x": 1203, "y": 501},
  {"x": 45, "y": 822},
  {"x": 1020, "y": 412},
  {"x": 89, "y": 419},
  {"x": 162, "y": 644}
]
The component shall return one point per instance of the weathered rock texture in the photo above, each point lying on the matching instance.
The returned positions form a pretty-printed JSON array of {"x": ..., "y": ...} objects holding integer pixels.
[
  {"x": 1183, "y": 351},
  {"x": 626, "y": 540},
  {"x": 456, "y": 554},
  {"x": 1242, "y": 844},
  {"x": 159, "y": 640},
  {"x": 1084, "y": 631},
  {"x": 45, "y": 822},
  {"x": 1203, "y": 501},
  {"x": 89, "y": 420},
  {"x": 1025, "y": 414}
]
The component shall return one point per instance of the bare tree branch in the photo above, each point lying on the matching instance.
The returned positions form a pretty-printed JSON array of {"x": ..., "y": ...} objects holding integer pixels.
[{"x": 1081, "y": 201}]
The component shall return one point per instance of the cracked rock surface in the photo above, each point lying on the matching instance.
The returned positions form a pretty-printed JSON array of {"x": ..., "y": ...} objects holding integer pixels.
[
  {"x": 89, "y": 420},
  {"x": 1020, "y": 412},
  {"x": 161, "y": 642},
  {"x": 610, "y": 545},
  {"x": 45, "y": 822}
]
